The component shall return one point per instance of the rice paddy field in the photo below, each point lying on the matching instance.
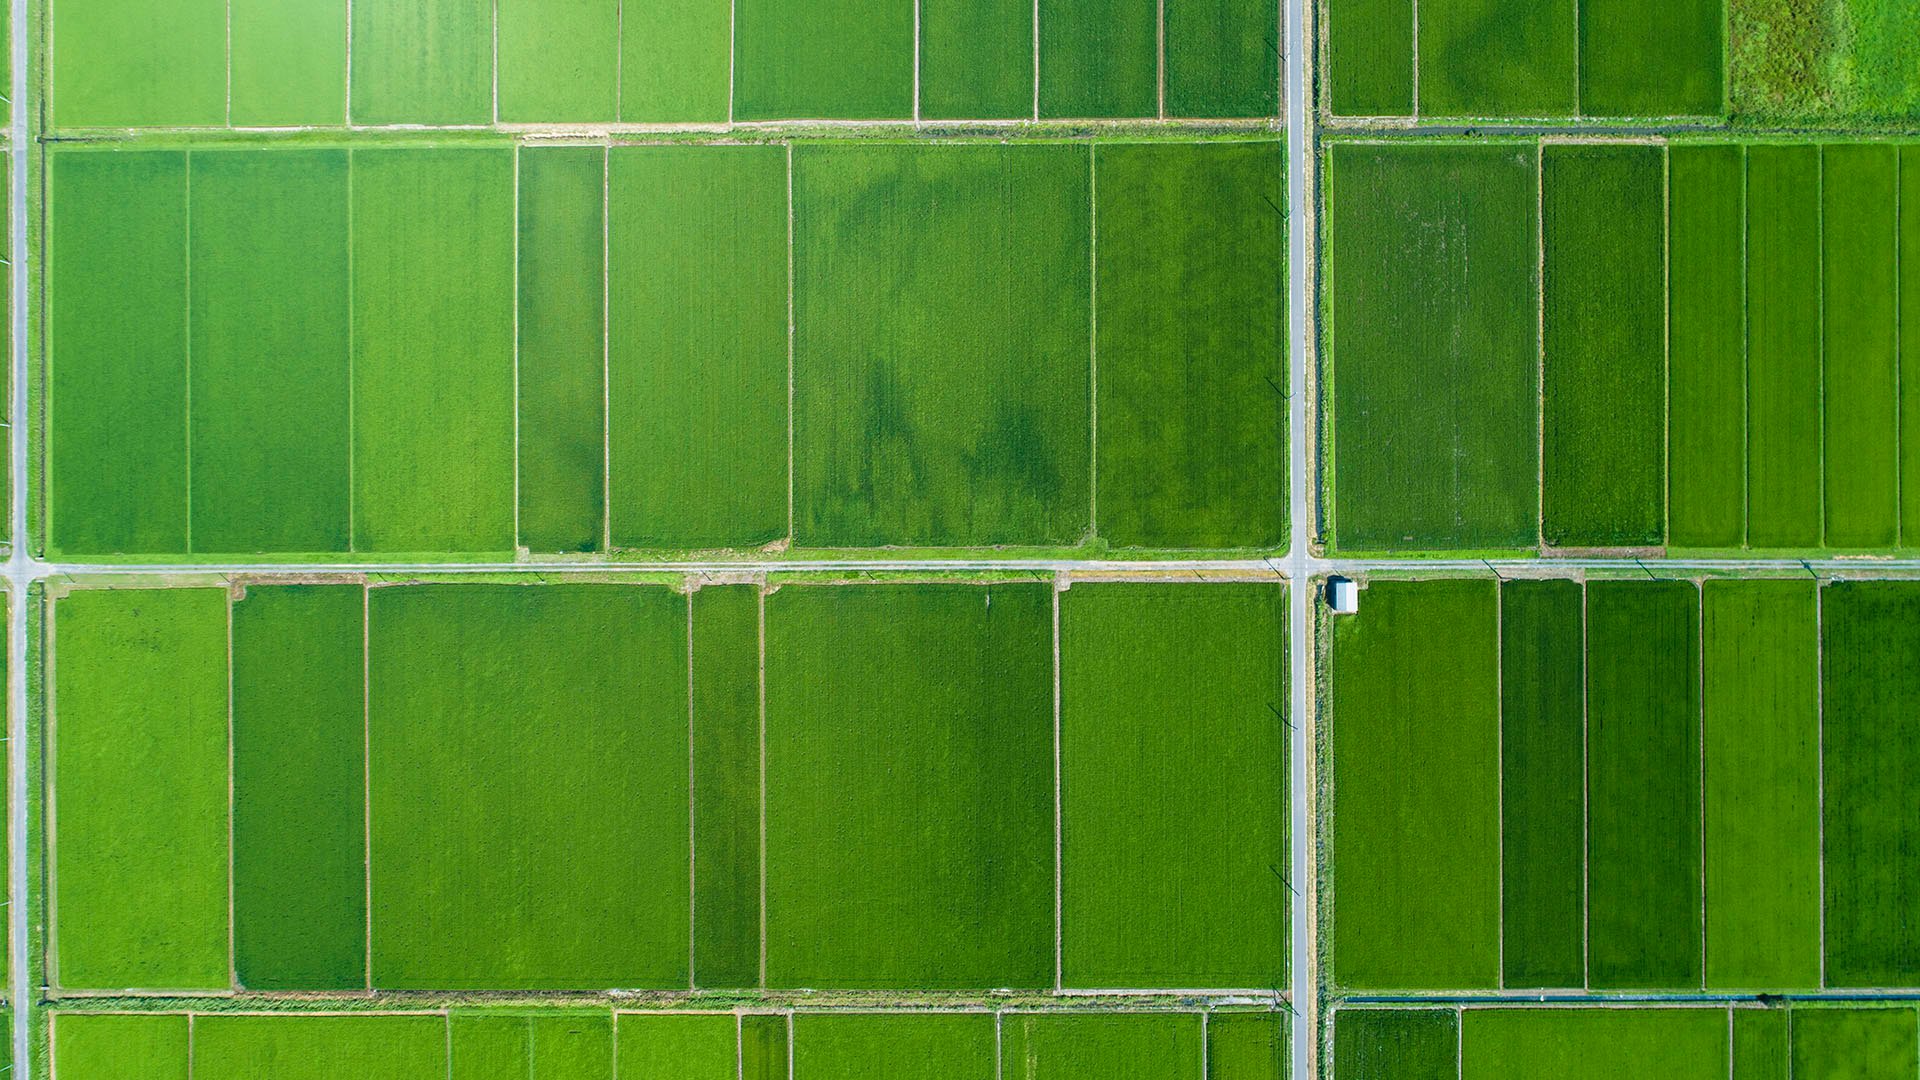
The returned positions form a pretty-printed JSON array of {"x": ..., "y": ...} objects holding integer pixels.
[
  {"x": 936, "y": 785},
  {"x": 266, "y": 64},
  {"x": 476, "y": 349},
  {"x": 1646, "y": 345},
  {"x": 1215, "y": 1044},
  {"x": 1622, "y": 785},
  {"x": 1695, "y": 1042}
]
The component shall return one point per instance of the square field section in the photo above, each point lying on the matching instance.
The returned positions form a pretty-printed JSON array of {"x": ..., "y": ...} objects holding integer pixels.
[
  {"x": 694, "y": 347},
  {"x": 583, "y": 786}
]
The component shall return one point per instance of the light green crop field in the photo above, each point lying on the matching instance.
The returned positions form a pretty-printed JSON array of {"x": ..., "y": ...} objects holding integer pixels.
[
  {"x": 696, "y": 347},
  {"x": 976, "y": 59},
  {"x": 1094, "y": 1047},
  {"x": 517, "y": 786},
  {"x": 1173, "y": 753},
  {"x": 1099, "y": 58}
]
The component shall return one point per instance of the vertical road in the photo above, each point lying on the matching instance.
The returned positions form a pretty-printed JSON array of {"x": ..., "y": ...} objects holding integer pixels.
[{"x": 1300, "y": 591}]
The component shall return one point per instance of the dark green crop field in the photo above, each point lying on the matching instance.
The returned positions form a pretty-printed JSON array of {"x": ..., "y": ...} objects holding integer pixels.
[
  {"x": 1513, "y": 59},
  {"x": 1708, "y": 1041},
  {"x": 694, "y": 347},
  {"x": 1719, "y": 359},
  {"x": 1700, "y": 786},
  {"x": 1228, "y": 1043},
  {"x": 512, "y": 785},
  {"x": 272, "y": 64}
]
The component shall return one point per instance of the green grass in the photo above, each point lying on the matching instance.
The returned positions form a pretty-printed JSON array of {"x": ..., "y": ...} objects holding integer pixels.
[
  {"x": 1223, "y": 58},
  {"x": 319, "y": 1047},
  {"x": 289, "y": 62},
  {"x": 1498, "y": 58},
  {"x": 1643, "y": 785},
  {"x": 269, "y": 354},
  {"x": 941, "y": 367},
  {"x": 1594, "y": 1044},
  {"x": 1433, "y": 336},
  {"x": 910, "y": 799},
  {"x": 559, "y": 60},
  {"x": 683, "y": 1047},
  {"x": 1652, "y": 57},
  {"x": 1783, "y": 346},
  {"x": 1164, "y": 1047},
  {"x": 127, "y": 63},
  {"x": 1416, "y": 819},
  {"x": 1191, "y": 344},
  {"x": 1837, "y": 61},
  {"x": 432, "y": 349},
  {"x": 1762, "y": 784},
  {"x": 423, "y": 62},
  {"x": 117, "y": 380},
  {"x": 1860, "y": 188},
  {"x": 1396, "y": 1044},
  {"x": 1099, "y": 58},
  {"x": 676, "y": 61},
  {"x": 1605, "y": 366},
  {"x": 139, "y": 795},
  {"x": 528, "y": 760},
  {"x": 831, "y": 59},
  {"x": 1909, "y": 347},
  {"x": 1706, "y": 343},
  {"x": 976, "y": 59},
  {"x": 1760, "y": 1049},
  {"x": 1841, "y": 1044},
  {"x": 119, "y": 1047},
  {"x": 697, "y": 352},
  {"x": 763, "y": 1049},
  {"x": 1870, "y": 742},
  {"x": 878, "y": 1047},
  {"x": 577, "y": 1046},
  {"x": 299, "y": 792},
  {"x": 1246, "y": 1045},
  {"x": 562, "y": 349},
  {"x": 1173, "y": 779},
  {"x": 726, "y": 785},
  {"x": 1370, "y": 57},
  {"x": 1543, "y": 735}
]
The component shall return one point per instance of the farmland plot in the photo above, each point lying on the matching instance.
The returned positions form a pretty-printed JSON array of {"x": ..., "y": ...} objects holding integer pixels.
[
  {"x": 479, "y": 349},
  {"x": 1696, "y": 789},
  {"x": 519, "y": 786}
]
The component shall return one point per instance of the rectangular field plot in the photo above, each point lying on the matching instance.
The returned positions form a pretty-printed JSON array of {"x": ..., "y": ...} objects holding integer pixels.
[
  {"x": 558, "y": 1043},
  {"x": 1719, "y": 357},
  {"x": 512, "y": 785},
  {"x": 1173, "y": 754},
  {"x": 1433, "y": 345},
  {"x": 1512, "y": 59},
  {"x": 480, "y": 349},
  {"x": 1692, "y": 1042},
  {"x": 1695, "y": 785}
]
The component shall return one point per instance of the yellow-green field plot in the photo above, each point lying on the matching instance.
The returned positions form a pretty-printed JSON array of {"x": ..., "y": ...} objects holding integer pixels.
[
  {"x": 482, "y": 349},
  {"x": 1620, "y": 786},
  {"x": 557, "y": 1043},
  {"x": 508, "y": 785}
]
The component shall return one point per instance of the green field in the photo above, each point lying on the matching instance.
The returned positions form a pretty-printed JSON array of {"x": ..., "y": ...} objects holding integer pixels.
[
  {"x": 1603, "y": 355},
  {"x": 1099, "y": 58},
  {"x": 1706, "y": 1042},
  {"x": 1783, "y": 346},
  {"x": 1543, "y": 767},
  {"x": 1706, "y": 346},
  {"x": 510, "y": 785},
  {"x": 941, "y": 379},
  {"x": 1702, "y": 796},
  {"x": 1415, "y": 780},
  {"x": 834, "y": 59},
  {"x": 1223, "y": 58},
  {"x": 1859, "y": 310},
  {"x": 580, "y": 350},
  {"x": 1512, "y": 59},
  {"x": 1173, "y": 754},
  {"x": 976, "y": 59},
  {"x": 1432, "y": 334},
  {"x": 1191, "y": 259},
  {"x": 1855, "y": 62}
]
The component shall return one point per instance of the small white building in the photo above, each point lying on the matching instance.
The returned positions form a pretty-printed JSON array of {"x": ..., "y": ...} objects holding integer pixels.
[{"x": 1343, "y": 595}]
